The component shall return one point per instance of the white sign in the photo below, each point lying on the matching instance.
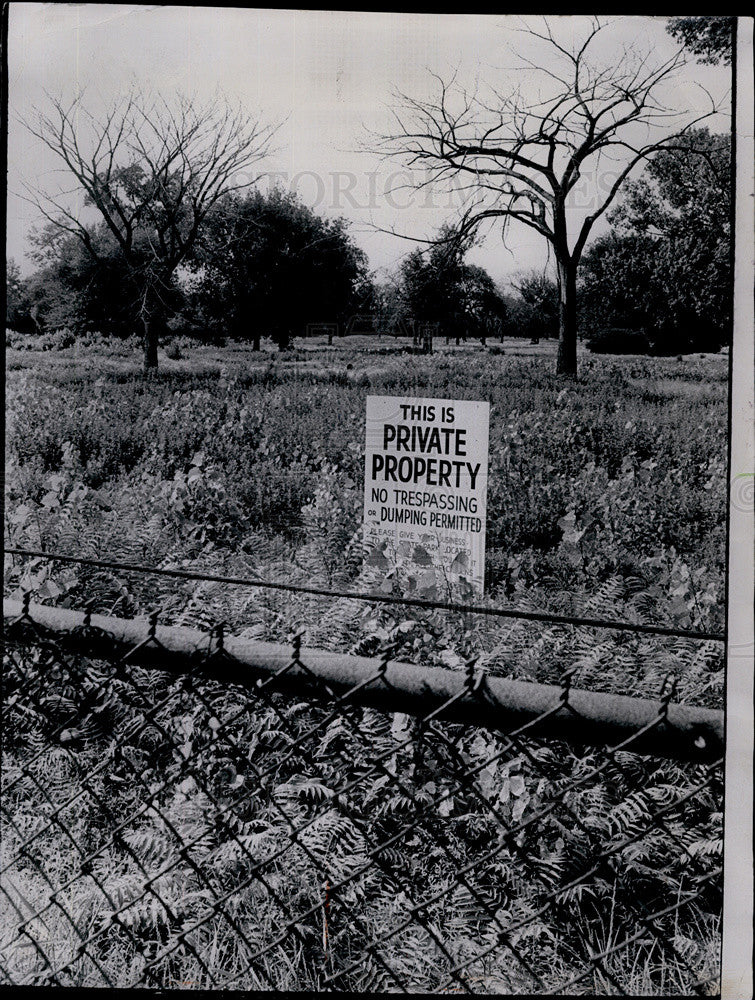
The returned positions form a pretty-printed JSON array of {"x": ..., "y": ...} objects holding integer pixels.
[{"x": 425, "y": 493}]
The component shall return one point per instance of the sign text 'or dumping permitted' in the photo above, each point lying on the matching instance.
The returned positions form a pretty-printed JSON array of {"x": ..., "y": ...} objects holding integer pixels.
[{"x": 425, "y": 493}]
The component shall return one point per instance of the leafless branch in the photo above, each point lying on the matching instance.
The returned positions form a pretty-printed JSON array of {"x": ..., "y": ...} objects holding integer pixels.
[
  {"x": 527, "y": 156},
  {"x": 153, "y": 170},
  {"x": 148, "y": 163}
]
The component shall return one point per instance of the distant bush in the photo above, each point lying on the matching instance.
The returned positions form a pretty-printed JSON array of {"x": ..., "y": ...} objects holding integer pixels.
[
  {"x": 690, "y": 337},
  {"x": 60, "y": 339},
  {"x": 173, "y": 350},
  {"x": 188, "y": 330},
  {"x": 20, "y": 341},
  {"x": 55, "y": 340},
  {"x": 618, "y": 341}
]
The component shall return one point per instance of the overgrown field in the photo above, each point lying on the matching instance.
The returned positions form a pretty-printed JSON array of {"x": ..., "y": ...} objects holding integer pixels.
[{"x": 606, "y": 498}]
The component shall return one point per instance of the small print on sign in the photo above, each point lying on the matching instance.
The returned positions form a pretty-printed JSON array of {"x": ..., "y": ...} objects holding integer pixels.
[{"x": 425, "y": 493}]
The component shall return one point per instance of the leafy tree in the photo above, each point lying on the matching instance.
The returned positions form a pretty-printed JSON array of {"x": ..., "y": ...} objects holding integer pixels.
[
  {"x": 266, "y": 264},
  {"x": 616, "y": 283},
  {"x": 388, "y": 306},
  {"x": 440, "y": 287},
  {"x": 533, "y": 312},
  {"x": 522, "y": 158},
  {"x": 18, "y": 302},
  {"x": 88, "y": 291},
  {"x": 52, "y": 304},
  {"x": 483, "y": 308},
  {"x": 666, "y": 267},
  {"x": 153, "y": 171},
  {"x": 710, "y": 38},
  {"x": 426, "y": 290}
]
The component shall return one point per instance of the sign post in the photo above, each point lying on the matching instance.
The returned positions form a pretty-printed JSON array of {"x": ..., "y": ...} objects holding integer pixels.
[{"x": 425, "y": 493}]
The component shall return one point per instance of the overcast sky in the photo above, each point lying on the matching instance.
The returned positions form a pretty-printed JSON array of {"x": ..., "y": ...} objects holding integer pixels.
[{"x": 326, "y": 75}]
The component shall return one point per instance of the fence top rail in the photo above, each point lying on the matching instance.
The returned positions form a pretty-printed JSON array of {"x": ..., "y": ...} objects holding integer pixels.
[
  {"x": 536, "y": 616},
  {"x": 581, "y": 717}
]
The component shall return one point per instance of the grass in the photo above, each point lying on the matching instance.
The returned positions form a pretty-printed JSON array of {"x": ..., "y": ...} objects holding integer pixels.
[{"x": 606, "y": 498}]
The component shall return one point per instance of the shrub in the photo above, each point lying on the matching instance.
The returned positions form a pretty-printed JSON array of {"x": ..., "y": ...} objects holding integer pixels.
[{"x": 619, "y": 341}]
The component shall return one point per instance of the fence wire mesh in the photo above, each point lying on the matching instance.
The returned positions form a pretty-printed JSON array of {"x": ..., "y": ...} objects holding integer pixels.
[{"x": 164, "y": 828}]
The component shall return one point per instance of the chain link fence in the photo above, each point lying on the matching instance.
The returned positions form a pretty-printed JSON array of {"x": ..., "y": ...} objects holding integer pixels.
[{"x": 186, "y": 810}]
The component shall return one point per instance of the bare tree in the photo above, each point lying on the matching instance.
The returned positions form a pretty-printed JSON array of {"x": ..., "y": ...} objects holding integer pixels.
[
  {"x": 522, "y": 157},
  {"x": 153, "y": 170}
]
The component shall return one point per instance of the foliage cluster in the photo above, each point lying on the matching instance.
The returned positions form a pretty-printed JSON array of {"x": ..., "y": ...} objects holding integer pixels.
[
  {"x": 83, "y": 289},
  {"x": 532, "y": 311},
  {"x": 268, "y": 265},
  {"x": 709, "y": 37},
  {"x": 440, "y": 287},
  {"x": 664, "y": 269},
  {"x": 264, "y": 265}
]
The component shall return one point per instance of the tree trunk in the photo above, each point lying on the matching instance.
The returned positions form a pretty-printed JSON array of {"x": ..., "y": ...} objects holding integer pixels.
[
  {"x": 256, "y": 340},
  {"x": 566, "y": 363},
  {"x": 153, "y": 293},
  {"x": 34, "y": 315},
  {"x": 150, "y": 343}
]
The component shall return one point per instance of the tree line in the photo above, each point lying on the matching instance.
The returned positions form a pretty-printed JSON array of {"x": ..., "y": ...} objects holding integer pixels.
[
  {"x": 175, "y": 233},
  {"x": 264, "y": 264}
]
